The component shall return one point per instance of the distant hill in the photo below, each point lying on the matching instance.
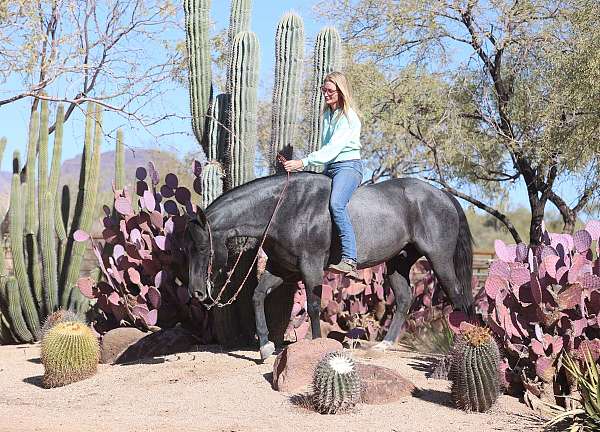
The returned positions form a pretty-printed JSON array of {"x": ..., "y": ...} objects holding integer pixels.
[{"x": 164, "y": 162}]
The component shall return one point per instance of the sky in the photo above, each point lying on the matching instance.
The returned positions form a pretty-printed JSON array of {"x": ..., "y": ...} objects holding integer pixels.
[{"x": 266, "y": 14}]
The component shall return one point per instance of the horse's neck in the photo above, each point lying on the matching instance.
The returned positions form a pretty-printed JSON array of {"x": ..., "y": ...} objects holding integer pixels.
[{"x": 239, "y": 214}]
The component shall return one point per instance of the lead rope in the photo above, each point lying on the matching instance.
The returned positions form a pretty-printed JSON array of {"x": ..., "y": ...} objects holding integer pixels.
[{"x": 216, "y": 301}]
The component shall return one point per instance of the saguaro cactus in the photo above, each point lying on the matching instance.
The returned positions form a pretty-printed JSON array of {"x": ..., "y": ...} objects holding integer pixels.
[
  {"x": 244, "y": 106},
  {"x": 289, "y": 55},
  {"x": 327, "y": 58}
]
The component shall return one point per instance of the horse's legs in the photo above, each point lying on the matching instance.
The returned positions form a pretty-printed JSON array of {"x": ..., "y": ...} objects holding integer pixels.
[
  {"x": 397, "y": 275},
  {"x": 312, "y": 276},
  {"x": 442, "y": 263},
  {"x": 266, "y": 284}
]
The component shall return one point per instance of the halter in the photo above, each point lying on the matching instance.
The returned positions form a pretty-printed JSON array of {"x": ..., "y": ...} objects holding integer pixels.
[{"x": 209, "y": 284}]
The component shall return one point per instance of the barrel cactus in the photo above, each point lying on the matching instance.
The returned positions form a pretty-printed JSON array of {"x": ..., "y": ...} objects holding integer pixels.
[
  {"x": 70, "y": 353},
  {"x": 57, "y": 317},
  {"x": 474, "y": 369},
  {"x": 336, "y": 384}
]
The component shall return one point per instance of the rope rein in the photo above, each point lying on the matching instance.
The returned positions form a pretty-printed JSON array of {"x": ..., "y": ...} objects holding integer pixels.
[{"x": 217, "y": 301}]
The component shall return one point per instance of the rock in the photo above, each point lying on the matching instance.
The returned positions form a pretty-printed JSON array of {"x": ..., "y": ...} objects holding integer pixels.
[
  {"x": 161, "y": 343},
  {"x": 128, "y": 344},
  {"x": 118, "y": 340},
  {"x": 380, "y": 385},
  {"x": 295, "y": 365}
]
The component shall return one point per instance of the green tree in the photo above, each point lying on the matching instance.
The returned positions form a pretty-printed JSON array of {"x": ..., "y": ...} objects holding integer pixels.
[{"x": 479, "y": 95}]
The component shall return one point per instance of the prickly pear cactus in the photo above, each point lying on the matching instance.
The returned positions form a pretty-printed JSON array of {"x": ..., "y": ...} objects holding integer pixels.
[
  {"x": 70, "y": 353},
  {"x": 474, "y": 371},
  {"x": 336, "y": 384}
]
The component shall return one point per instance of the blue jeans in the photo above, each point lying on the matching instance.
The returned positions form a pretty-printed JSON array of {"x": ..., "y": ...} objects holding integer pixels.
[{"x": 346, "y": 177}]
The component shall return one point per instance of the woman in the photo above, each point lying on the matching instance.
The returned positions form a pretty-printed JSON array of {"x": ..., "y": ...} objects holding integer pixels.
[{"x": 340, "y": 153}]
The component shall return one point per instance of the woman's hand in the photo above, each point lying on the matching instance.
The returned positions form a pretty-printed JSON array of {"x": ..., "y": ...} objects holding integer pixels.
[{"x": 293, "y": 165}]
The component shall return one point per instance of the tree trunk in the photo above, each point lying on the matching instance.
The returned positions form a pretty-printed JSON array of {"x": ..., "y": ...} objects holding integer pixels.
[{"x": 537, "y": 217}]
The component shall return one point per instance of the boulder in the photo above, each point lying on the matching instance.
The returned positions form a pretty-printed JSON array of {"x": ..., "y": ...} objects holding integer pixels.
[
  {"x": 118, "y": 340},
  {"x": 125, "y": 345},
  {"x": 295, "y": 365},
  {"x": 380, "y": 385}
]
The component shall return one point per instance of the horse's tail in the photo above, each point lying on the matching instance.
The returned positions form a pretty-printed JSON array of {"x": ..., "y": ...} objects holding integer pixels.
[{"x": 463, "y": 255}]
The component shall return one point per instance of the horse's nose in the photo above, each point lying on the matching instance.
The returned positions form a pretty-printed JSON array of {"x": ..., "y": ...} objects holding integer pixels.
[{"x": 200, "y": 296}]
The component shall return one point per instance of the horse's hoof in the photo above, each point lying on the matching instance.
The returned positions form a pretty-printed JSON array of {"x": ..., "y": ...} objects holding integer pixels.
[
  {"x": 267, "y": 350},
  {"x": 382, "y": 346}
]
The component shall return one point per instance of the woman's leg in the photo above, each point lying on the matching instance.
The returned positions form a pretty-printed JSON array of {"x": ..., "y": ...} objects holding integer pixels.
[{"x": 345, "y": 180}]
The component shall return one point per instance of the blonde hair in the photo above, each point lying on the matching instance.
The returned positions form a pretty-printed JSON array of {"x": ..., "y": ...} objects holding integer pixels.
[{"x": 346, "y": 101}]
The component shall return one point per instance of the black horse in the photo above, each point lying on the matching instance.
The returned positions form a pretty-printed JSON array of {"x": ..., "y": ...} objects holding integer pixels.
[{"x": 396, "y": 222}]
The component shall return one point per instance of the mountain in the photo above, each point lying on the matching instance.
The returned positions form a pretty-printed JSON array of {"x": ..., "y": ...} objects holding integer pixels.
[{"x": 164, "y": 162}]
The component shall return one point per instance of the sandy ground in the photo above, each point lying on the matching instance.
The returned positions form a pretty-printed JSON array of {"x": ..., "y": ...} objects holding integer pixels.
[{"x": 211, "y": 390}]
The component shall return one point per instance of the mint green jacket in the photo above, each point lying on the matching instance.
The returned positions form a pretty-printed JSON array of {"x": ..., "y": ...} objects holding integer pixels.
[{"x": 340, "y": 137}]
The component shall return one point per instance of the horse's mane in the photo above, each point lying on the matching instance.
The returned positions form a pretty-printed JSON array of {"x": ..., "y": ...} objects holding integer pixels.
[{"x": 279, "y": 177}]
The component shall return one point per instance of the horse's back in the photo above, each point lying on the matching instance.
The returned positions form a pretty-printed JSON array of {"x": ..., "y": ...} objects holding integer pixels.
[{"x": 387, "y": 216}]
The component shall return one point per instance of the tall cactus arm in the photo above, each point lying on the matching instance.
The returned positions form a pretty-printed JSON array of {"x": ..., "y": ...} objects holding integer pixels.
[
  {"x": 18, "y": 253},
  {"x": 327, "y": 58},
  {"x": 239, "y": 18},
  {"x": 18, "y": 325},
  {"x": 244, "y": 106},
  {"x": 289, "y": 55},
  {"x": 119, "y": 162},
  {"x": 91, "y": 192},
  {"x": 46, "y": 197},
  {"x": 34, "y": 270},
  {"x": 197, "y": 18},
  {"x": 30, "y": 214},
  {"x": 86, "y": 158}
]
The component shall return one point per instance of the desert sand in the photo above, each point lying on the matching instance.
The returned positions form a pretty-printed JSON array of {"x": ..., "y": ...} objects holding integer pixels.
[{"x": 215, "y": 390}]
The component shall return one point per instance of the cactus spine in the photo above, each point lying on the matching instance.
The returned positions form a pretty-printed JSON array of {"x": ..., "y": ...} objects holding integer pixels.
[
  {"x": 336, "y": 384},
  {"x": 289, "y": 55},
  {"x": 88, "y": 192},
  {"x": 61, "y": 315},
  {"x": 327, "y": 58},
  {"x": 473, "y": 371},
  {"x": 70, "y": 353},
  {"x": 16, "y": 244},
  {"x": 244, "y": 106},
  {"x": 197, "y": 14}
]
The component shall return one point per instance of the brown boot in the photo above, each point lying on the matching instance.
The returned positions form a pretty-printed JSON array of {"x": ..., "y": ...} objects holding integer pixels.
[{"x": 346, "y": 266}]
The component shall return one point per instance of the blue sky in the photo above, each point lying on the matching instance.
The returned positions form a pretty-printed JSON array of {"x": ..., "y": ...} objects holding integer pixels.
[{"x": 265, "y": 16}]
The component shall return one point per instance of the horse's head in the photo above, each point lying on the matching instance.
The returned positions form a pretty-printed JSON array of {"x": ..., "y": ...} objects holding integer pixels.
[{"x": 199, "y": 250}]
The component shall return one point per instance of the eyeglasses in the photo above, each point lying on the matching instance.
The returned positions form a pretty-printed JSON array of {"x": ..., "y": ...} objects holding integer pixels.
[{"x": 327, "y": 91}]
